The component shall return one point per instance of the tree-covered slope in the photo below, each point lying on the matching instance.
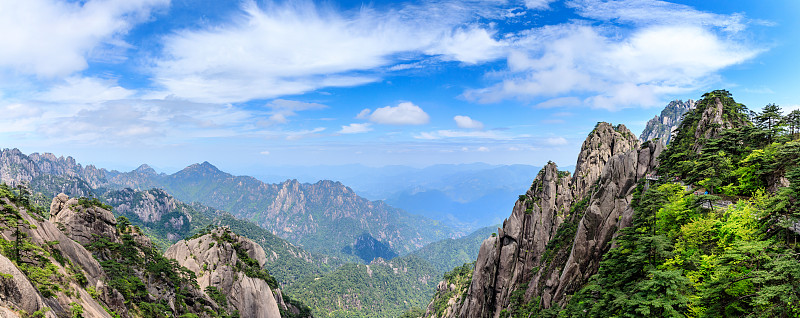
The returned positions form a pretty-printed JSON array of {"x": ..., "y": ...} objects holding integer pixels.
[
  {"x": 447, "y": 254},
  {"x": 380, "y": 289}
]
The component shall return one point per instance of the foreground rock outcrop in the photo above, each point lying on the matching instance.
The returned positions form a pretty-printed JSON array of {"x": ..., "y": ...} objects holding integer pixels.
[
  {"x": 557, "y": 232},
  {"x": 83, "y": 261},
  {"x": 231, "y": 266}
]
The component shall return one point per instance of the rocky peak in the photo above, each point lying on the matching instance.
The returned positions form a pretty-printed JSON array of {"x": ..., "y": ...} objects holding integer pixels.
[
  {"x": 662, "y": 126},
  {"x": 602, "y": 143},
  {"x": 714, "y": 113},
  {"x": 145, "y": 169},
  {"x": 82, "y": 219},
  {"x": 150, "y": 206},
  {"x": 16, "y": 168},
  {"x": 199, "y": 169},
  {"x": 231, "y": 264},
  {"x": 559, "y": 230}
]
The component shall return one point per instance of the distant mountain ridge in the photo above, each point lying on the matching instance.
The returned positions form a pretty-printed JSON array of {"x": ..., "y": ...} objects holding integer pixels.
[
  {"x": 322, "y": 217},
  {"x": 467, "y": 196}
]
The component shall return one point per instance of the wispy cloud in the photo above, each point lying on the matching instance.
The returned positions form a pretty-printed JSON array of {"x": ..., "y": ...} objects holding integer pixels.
[
  {"x": 556, "y": 141},
  {"x": 51, "y": 38},
  {"x": 356, "y": 128},
  {"x": 562, "y": 61},
  {"x": 297, "y": 47},
  {"x": 282, "y": 109},
  {"x": 476, "y": 134}
]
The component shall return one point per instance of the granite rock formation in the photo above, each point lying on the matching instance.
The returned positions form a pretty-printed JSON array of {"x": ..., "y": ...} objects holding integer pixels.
[
  {"x": 217, "y": 258},
  {"x": 558, "y": 231},
  {"x": 664, "y": 125}
]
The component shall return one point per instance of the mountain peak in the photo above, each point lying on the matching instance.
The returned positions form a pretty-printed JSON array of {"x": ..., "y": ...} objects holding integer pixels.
[
  {"x": 145, "y": 169},
  {"x": 604, "y": 142},
  {"x": 662, "y": 126},
  {"x": 205, "y": 166}
]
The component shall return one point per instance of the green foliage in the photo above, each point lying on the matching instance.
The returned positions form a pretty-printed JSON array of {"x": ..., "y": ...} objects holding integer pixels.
[
  {"x": 39, "y": 313},
  {"x": 413, "y": 313},
  {"x": 127, "y": 263},
  {"x": 682, "y": 259},
  {"x": 384, "y": 289},
  {"x": 460, "y": 277},
  {"x": 93, "y": 202},
  {"x": 76, "y": 310},
  {"x": 217, "y": 296},
  {"x": 447, "y": 254}
]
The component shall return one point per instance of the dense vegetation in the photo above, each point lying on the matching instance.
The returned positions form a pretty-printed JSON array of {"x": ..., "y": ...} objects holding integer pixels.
[
  {"x": 368, "y": 248},
  {"x": 447, "y": 254},
  {"x": 457, "y": 282},
  {"x": 381, "y": 289},
  {"x": 730, "y": 253},
  {"x": 285, "y": 261},
  {"x": 128, "y": 262},
  {"x": 400, "y": 287}
]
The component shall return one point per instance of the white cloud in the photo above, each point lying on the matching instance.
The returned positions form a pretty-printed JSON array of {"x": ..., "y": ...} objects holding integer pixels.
[
  {"x": 300, "y": 134},
  {"x": 404, "y": 113},
  {"x": 355, "y": 128},
  {"x": 51, "y": 38},
  {"x": 560, "y": 102},
  {"x": 612, "y": 72},
  {"x": 282, "y": 109},
  {"x": 466, "y": 122},
  {"x": 478, "y": 134},
  {"x": 654, "y": 12},
  {"x": 470, "y": 46},
  {"x": 296, "y": 47},
  {"x": 15, "y": 111},
  {"x": 364, "y": 114},
  {"x": 538, "y": 4},
  {"x": 265, "y": 152},
  {"x": 483, "y": 149},
  {"x": 85, "y": 90},
  {"x": 556, "y": 141},
  {"x": 125, "y": 121}
]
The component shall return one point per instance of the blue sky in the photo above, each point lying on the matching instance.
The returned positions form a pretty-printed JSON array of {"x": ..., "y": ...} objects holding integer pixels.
[{"x": 248, "y": 84}]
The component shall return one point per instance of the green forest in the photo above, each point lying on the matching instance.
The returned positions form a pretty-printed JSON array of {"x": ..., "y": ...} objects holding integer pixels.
[{"x": 716, "y": 235}]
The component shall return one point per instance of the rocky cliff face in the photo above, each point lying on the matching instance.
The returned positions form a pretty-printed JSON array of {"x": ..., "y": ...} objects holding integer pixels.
[
  {"x": 43, "y": 279},
  {"x": 157, "y": 210},
  {"x": 230, "y": 264},
  {"x": 663, "y": 125},
  {"x": 85, "y": 261},
  {"x": 558, "y": 231},
  {"x": 80, "y": 221},
  {"x": 17, "y": 168}
]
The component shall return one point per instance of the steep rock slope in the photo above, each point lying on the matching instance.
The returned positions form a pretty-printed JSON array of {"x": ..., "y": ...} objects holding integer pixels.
[
  {"x": 662, "y": 126},
  {"x": 70, "y": 278},
  {"x": 228, "y": 265},
  {"x": 553, "y": 240}
]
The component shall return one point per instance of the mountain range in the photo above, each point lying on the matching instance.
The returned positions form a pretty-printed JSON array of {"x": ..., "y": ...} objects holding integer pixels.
[{"x": 323, "y": 217}]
